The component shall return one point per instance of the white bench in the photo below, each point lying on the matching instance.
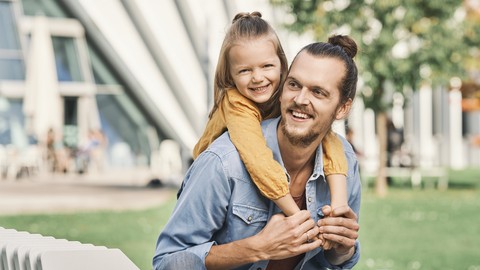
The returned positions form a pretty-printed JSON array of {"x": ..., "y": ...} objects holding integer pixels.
[
  {"x": 415, "y": 175},
  {"x": 26, "y": 251}
]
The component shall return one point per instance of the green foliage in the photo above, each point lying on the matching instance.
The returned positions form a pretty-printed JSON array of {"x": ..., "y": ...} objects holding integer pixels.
[{"x": 402, "y": 43}]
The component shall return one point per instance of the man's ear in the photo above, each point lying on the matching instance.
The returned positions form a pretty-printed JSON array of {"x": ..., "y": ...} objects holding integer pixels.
[{"x": 344, "y": 109}]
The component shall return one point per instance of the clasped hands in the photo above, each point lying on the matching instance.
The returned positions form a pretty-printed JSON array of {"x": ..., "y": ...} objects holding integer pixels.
[{"x": 285, "y": 237}]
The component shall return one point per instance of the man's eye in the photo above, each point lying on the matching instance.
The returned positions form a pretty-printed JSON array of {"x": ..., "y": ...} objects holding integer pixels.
[
  {"x": 293, "y": 84},
  {"x": 319, "y": 92},
  {"x": 268, "y": 65}
]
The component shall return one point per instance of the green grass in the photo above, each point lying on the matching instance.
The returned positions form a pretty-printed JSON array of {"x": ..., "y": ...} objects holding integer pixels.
[
  {"x": 133, "y": 232},
  {"x": 409, "y": 229},
  {"x": 420, "y": 229}
]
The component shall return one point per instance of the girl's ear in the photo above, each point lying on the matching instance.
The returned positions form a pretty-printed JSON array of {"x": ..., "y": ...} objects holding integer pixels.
[{"x": 344, "y": 109}]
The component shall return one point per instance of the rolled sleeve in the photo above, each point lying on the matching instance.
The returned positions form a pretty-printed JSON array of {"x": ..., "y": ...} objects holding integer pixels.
[{"x": 200, "y": 210}]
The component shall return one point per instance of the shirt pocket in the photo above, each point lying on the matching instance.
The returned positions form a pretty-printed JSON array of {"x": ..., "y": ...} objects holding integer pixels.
[{"x": 249, "y": 215}]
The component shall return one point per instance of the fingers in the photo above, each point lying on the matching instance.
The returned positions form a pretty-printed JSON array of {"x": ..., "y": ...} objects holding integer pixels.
[
  {"x": 302, "y": 221},
  {"x": 340, "y": 240},
  {"x": 339, "y": 227},
  {"x": 340, "y": 231},
  {"x": 296, "y": 229},
  {"x": 326, "y": 210},
  {"x": 309, "y": 239},
  {"x": 344, "y": 211},
  {"x": 347, "y": 223}
]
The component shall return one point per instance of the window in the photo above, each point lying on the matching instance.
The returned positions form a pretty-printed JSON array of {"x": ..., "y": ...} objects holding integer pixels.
[
  {"x": 11, "y": 58},
  {"x": 66, "y": 60},
  {"x": 12, "y": 123}
]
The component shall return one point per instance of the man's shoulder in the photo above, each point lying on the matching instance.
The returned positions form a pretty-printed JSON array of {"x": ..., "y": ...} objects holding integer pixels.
[
  {"x": 347, "y": 147},
  {"x": 222, "y": 146}
]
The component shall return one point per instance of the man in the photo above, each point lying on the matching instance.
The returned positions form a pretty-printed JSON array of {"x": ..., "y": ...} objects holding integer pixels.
[{"x": 221, "y": 220}]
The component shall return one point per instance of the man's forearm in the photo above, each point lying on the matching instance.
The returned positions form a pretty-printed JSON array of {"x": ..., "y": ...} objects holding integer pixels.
[
  {"x": 337, "y": 258},
  {"x": 234, "y": 254}
]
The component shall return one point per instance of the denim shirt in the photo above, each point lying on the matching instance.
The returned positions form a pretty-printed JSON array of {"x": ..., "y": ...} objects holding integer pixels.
[{"x": 218, "y": 203}]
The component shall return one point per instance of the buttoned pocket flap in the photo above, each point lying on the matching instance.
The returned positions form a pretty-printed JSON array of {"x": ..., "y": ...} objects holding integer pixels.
[{"x": 250, "y": 214}]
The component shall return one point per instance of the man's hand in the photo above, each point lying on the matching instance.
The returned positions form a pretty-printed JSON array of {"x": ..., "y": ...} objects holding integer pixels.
[
  {"x": 341, "y": 228},
  {"x": 281, "y": 238},
  {"x": 284, "y": 237}
]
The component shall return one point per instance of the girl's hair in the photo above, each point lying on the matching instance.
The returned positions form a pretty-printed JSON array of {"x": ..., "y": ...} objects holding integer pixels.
[
  {"x": 344, "y": 49},
  {"x": 247, "y": 26}
]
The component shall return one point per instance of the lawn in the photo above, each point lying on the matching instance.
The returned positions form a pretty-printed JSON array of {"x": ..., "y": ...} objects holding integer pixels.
[
  {"x": 134, "y": 232},
  {"x": 409, "y": 229}
]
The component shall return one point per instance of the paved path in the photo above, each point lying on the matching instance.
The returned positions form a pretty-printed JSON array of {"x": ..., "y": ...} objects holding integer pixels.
[{"x": 73, "y": 193}]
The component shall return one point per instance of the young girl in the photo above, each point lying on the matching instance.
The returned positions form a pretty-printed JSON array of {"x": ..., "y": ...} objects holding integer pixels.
[{"x": 250, "y": 72}]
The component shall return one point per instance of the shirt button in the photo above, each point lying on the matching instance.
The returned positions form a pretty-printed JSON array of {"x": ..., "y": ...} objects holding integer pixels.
[
  {"x": 259, "y": 268},
  {"x": 314, "y": 175},
  {"x": 249, "y": 218},
  {"x": 309, "y": 199}
]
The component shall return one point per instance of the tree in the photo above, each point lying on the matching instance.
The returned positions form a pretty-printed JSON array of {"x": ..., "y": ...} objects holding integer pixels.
[{"x": 403, "y": 44}]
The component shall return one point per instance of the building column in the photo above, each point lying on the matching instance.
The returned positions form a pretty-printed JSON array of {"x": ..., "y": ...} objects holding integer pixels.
[
  {"x": 456, "y": 138},
  {"x": 426, "y": 126},
  {"x": 371, "y": 151}
]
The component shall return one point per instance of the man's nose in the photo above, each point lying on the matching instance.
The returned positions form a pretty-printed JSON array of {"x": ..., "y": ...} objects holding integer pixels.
[{"x": 302, "y": 97}]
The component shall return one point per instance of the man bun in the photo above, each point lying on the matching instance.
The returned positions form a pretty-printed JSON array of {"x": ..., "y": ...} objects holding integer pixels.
[{"x": 347, "y": 43}]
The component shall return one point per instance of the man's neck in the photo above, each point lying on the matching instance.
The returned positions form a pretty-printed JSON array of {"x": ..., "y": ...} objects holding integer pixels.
[{"x": 299, "y": 161}]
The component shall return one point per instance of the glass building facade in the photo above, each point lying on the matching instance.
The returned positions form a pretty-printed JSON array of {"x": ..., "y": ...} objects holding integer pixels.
[
  {"x": 141, "y": 73},
  {"x": 134, "y": 105}
]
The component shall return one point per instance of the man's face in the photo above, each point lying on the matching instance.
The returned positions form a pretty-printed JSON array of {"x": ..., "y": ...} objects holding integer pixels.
[{"x": 310, "y": 99}]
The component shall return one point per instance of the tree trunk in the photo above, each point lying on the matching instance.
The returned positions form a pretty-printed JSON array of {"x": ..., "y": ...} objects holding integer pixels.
[{"x": 381, "y": 181}]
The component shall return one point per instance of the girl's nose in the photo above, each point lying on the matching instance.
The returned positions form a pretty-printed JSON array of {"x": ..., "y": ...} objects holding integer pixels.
[{"x": 257, "y": 77}]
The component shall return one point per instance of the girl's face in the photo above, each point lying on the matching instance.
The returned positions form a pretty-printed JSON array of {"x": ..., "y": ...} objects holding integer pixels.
[{"x": 255, "y": 68}]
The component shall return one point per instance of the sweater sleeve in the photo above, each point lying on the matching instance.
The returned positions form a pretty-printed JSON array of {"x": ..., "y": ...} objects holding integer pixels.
[
  {"x": 334, "y": 160},
  {"x": 215, "y": 127},
  {"x": 243, "y": 120}
]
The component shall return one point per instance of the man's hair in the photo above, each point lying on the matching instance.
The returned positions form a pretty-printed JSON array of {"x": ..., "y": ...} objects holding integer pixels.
[
  {"x": 247, "y": 26},
  {"x": 343, "y": 48}
]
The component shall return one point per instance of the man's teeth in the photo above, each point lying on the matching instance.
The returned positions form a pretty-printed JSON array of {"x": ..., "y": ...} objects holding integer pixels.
[{"x": 300, "y": 115}]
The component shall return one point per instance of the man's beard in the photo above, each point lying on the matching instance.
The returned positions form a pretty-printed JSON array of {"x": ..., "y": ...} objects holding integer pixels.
[{"x": 299, "y": 140}]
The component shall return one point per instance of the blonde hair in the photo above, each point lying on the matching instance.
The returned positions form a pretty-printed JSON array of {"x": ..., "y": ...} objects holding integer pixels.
[{"x": 247, "y": 26}]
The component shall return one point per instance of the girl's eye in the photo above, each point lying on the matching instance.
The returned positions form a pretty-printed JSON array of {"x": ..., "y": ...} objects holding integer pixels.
[
  {"x": 243, "y": 71},
  {"x": 268, "y": 65}
]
